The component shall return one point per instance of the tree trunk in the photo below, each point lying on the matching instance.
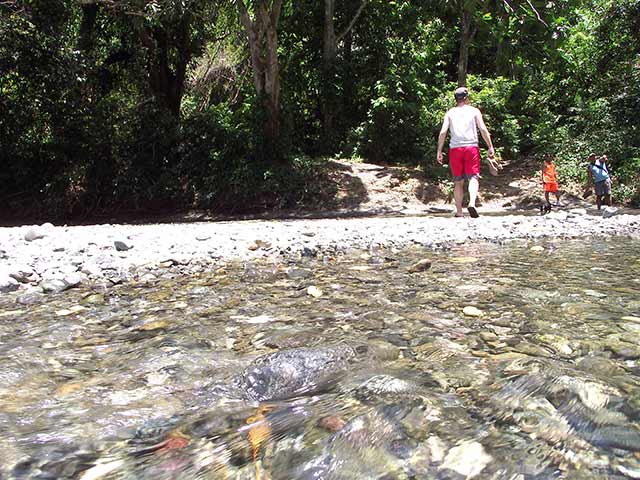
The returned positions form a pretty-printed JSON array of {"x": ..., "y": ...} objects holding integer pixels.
[
  {"x": 167, "y": 80},
  {"x": 87, "y": 26},
  {"x": 262, "y": 35},
  {"x": 329, "y": 54},
  {"x": 466, "y": 34},
  {"x": 329, "y": 73}
]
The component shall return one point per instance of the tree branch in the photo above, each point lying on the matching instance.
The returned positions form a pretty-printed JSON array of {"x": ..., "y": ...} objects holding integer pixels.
[
  {"x": 536, "y": 12},
  {"x": 275, "y": 12},
  {"x": 352, "y": 22}
]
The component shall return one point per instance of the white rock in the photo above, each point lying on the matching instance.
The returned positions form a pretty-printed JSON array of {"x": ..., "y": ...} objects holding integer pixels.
[
  {"x": 8, "y": 284},
  {"x": 91, "y": 269},
  {"x": 73, "y": 279},
  {"x": 34, "y": 234},
  {"x": 53, "y": 286},
  {"x": 22, "y": 273},
  {"x": 578, "y": 211},
  {"x": 468, "y": 459},
  {"x": 471, "y": 311},
  {"x": 609, "y": 212}
]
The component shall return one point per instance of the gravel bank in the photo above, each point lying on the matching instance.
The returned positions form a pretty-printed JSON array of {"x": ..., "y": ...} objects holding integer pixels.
[{"x": 53, "y": 258}]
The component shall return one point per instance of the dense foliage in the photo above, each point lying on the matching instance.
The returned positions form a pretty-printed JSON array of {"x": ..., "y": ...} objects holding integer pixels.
[{"x": 133, "y": 104}]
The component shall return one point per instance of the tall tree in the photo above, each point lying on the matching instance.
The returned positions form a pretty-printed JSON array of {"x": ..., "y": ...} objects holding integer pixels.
[
  {"x": 260, "y": 22},
  {"x": 330, "y": 43}
]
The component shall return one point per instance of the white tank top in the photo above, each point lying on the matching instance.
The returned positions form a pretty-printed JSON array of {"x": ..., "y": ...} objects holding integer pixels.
[{"x": 463, "y": 128}]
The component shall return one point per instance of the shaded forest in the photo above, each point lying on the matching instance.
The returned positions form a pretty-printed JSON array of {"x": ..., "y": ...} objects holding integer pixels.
[{"x": 140, "y": 105}]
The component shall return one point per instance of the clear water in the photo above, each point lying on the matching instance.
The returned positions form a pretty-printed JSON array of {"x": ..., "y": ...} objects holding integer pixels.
[{"x": 382, "y": 373}]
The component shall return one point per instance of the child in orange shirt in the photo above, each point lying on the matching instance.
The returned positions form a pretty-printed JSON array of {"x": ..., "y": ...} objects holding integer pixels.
[{"x": 550, "y": 179}]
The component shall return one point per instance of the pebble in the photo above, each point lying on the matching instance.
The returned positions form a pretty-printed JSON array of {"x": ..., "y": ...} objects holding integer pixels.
[
  {"x": 468, "y": 459},
  {"x": 121, "y": 246},
  {"x": 73, "y": 279},
  {"x": 34, "y": 234},
  {"x": 421, "y": 266},
  {"x": 54, "y": 286},
  {"x": 314, "y": 291},
  {"x": 471, "y": 311},
  {"x": 8, "y": 284}
]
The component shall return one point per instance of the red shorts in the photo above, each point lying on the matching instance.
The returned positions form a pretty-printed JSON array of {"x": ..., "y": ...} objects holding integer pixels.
[
  {"x": 550, "y": 186},
  {"x": 464, "y": 162}
]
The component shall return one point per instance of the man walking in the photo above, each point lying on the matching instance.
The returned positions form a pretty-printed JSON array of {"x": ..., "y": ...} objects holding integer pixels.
[{"x": 463, "y": 121}]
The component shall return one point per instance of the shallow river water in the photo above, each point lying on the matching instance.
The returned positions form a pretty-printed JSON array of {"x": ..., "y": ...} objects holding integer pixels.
[{"x": 513, "y": 361}]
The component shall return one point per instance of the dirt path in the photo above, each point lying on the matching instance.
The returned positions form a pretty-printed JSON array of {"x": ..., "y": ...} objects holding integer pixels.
[{"x": 374, "y": 189}]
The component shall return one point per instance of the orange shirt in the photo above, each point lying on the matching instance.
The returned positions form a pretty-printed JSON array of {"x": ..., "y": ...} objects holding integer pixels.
[{"x": 549, "y": 173}]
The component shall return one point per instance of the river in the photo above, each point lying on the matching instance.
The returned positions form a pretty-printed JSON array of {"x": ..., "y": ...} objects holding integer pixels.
[{"x": 508, "y": 361}]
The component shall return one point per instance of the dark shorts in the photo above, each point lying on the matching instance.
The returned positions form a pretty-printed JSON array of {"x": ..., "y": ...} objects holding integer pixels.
[
  {"x": 464, "y": 163},
  {"x": 603, "y": 187}
]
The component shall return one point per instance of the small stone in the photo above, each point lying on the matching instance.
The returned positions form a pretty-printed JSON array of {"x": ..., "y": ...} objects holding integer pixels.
[
  {"x": 464, "y": 259},
  {"x": 537, "y": 249},
  {"x": 93, "y": 299},
  {"x": 68, "y": 389},
  {"x": 29, "y": 298},
  {"x": 148, "y": 278},
  {"x": 609, "y": 212},
  {"x": 53, "y": 286},
  {"x": 121, "y": 246},
  {"x": 8, "y": 284},
  {"x": 22, "y": 273},
  {"x": 421, "y": 266},
  {"x": 157, "y": 378},
  {"x": 629, "y": 318},
  {"x": 593, "y": 293},
  {"x": 70, "y": 311},
  {"x": 489, "y": 336},
  {"x": 314, "y": 291},
  {"x": 332, "y": 423},
  {"x": 202, "y": 238},
  {"x": 155, "y": 325},
  {"x": 34, "y": 234},
  {"x": 91, "y": 269},
  {"x": 468, "y": 459},
  {"x": 259, "y": 244},
  {"x": 101, "y": 469},
  {"x": 470, "y": 311},
  {"x": 73, "y": 279}
]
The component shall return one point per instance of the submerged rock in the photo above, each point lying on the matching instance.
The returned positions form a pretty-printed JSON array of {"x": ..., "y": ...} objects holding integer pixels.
[
  {"x": 295, "y": 372},
  {"x": 468, "y": 459}
]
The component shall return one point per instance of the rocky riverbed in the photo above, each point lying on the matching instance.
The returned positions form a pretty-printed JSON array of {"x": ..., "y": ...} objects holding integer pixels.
[{"x": 53, "y": 258}]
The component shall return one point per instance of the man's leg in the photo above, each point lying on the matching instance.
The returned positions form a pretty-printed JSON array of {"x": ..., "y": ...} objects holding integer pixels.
[
  {"x": 546, "y": 197},
  {"x": 458, "y": 193},
  {"x": 598, "y": 201},
  {"x": 607, "y": 199},
  {"x": 474, "y": 186},
  {"x": 472, "y": 172}
]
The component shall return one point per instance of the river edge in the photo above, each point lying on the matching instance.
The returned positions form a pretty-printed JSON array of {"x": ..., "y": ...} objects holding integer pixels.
[{"x": 51, "y": 259}]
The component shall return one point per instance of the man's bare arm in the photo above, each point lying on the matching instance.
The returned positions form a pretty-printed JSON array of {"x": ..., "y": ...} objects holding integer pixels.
[
  {"x": 442, "y": 137},
  {"x": 484, "y": 131}
]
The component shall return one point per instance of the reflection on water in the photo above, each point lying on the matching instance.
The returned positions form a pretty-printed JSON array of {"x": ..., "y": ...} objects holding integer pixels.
[{"x": 511, "y": 361}]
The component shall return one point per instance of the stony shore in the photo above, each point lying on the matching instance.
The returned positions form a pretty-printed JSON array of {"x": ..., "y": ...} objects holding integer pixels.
[{"x": 50, "y": 258}]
